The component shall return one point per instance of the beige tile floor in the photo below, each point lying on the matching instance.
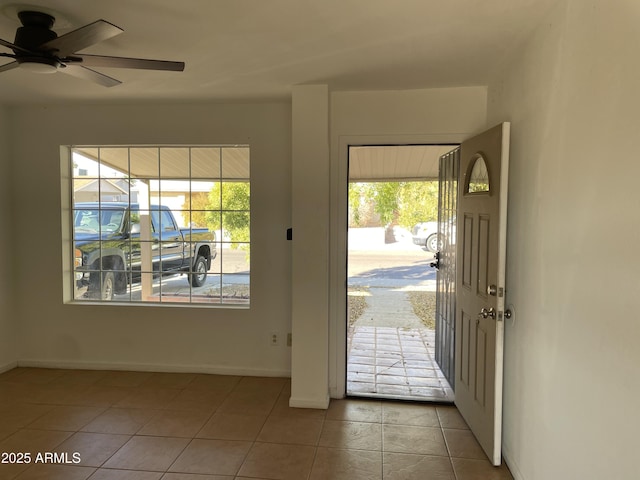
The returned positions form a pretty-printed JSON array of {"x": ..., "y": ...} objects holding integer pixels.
[{"x": 106, "y": 425}]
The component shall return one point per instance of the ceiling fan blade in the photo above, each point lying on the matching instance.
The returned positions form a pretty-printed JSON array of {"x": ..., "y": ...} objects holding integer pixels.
[
  {"x": 8, "y": 66},
  {"x": 81, "y": 38},
  {"x": 91, "y": 75},
  {"x": 16, "y": 47},
  {"x": 123, "y": 62}
]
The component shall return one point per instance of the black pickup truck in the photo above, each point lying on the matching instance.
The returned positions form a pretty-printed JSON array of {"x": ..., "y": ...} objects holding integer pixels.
[{"x": 110, "y": 245}]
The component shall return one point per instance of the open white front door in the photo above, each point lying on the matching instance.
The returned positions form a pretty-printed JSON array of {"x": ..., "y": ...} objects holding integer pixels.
[{"x": 480, "y": 284}]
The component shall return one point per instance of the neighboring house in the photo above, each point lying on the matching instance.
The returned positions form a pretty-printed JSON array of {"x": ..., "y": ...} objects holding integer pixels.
[
  {"x": 173, "y": 194},
  {"x": 92, "y": 190}
]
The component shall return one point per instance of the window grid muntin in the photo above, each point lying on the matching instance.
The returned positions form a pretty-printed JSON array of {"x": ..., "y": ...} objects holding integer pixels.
[{"x": 101, "y": 269}]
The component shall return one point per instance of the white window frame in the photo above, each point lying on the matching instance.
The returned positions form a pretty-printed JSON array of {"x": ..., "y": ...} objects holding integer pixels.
[{"x": 192, "y": 168}]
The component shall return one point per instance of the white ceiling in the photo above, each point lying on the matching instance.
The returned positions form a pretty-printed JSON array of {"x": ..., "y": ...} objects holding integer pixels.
[{"x": 258, "y": 49}]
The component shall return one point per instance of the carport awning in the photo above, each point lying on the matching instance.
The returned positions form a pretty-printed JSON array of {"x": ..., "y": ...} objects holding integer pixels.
[
  {"x": 366, "y": 163},
  {"x": 175, "y": 163},
  {"x": 395, "y": 162}
]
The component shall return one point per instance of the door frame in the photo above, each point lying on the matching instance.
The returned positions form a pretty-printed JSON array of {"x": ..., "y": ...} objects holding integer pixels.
[{"x": 338, "y": 240}]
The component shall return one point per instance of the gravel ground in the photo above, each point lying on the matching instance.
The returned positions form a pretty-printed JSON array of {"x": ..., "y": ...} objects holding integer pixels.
[
  {"x": 235, "y": 291},
  {"x": 424, "y": 306},
  {"x": 423, "y": 303},
  {"x": 356, "y": 302}
]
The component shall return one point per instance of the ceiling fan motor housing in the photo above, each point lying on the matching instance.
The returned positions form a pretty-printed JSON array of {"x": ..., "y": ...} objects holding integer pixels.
[
  {"x": 36, "y": 31},
  {"x": 37, "y": 48}
]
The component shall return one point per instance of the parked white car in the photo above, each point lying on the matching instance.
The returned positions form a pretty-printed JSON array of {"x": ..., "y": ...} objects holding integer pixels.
[{"x": 425, "y": 234}]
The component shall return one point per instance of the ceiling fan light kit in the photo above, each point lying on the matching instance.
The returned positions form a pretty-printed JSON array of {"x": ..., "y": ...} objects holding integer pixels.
[
  {"x": 38, "y": 65},
  {"x": 39, "y": 49}
]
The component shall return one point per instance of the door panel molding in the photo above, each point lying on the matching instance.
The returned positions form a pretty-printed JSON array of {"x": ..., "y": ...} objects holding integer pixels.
[
  {"x": 467, "y": 251},
  {"x": 484, "y": 229}
]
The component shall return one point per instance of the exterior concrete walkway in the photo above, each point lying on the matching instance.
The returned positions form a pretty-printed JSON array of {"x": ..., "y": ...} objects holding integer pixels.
[
  {"x": 391, "y": 354},
  {"x": 389, "y": 307}
]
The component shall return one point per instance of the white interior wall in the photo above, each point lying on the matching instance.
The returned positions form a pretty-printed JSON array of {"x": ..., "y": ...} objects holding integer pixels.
[
  {"x": 310, "y": 247},
  {"x": 223, "y": 340},
  {"x": 227, "y": 341},
  {"x": 427, "y": 116},
  {"x": 571, "y": 378},
  {"x": 8, "y": 355}
]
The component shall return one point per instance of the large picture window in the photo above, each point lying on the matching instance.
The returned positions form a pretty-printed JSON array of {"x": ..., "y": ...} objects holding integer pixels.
[{"x": 161, "y": 224}]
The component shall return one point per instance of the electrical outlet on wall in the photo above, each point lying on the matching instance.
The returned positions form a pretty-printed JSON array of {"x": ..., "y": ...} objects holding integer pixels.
[{"x": 274, "y": 339}]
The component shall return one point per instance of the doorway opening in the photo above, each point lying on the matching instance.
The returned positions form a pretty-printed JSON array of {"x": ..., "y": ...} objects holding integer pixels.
[{"x": 392, "y": 286}]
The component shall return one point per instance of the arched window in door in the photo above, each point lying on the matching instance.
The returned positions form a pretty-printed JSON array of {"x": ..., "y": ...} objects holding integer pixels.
[{"x": 479, "y": 176}]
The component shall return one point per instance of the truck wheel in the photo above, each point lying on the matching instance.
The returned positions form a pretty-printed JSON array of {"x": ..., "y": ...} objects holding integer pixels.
[
  {"x": 199, "y": 275},
  {"x": 432, "y": 244},
  {"x": 102, "y": 291}
]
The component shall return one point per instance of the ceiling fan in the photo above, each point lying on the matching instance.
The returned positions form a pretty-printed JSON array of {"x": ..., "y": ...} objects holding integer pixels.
[{"x": 39, "y": 49}]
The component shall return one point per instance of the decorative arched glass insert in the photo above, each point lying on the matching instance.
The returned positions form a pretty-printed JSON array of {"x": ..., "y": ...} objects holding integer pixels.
[{"x": 479, "y": 177}]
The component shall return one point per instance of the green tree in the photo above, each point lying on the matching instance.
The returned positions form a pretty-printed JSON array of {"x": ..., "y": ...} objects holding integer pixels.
[
  {"x": 417, "y": 202},
  {"x": 360, "y": 206},
  {"x": 228, "y": 210},
  {"x": 404, "y": 203},
  {"x": 225, "y": 207},
  {"x": 194, "y": 212},
  {"x": 385, "y": 197}
]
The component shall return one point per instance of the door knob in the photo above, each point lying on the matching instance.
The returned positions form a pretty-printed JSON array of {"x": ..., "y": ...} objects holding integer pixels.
[{"x": 487, "y": 313}]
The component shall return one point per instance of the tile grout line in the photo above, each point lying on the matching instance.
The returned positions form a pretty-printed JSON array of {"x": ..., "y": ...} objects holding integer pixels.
[
  {"x": 253, "y": 442},
  {"x": 181, "y": 389},
  {"x": 442, "y": 416},
  {"x": 419, "y": 335},
  {"x": 455, "y": 475},
  {"x": 404, "y": 363}
]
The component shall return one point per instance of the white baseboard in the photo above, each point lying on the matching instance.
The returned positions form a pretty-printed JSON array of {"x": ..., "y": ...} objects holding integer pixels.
[
  {"x": 513, "y": 467},
  {"x": 145, "y": 367},
  {"x": 321, "y": 403},
  {"x": 8, "y": 366}
]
